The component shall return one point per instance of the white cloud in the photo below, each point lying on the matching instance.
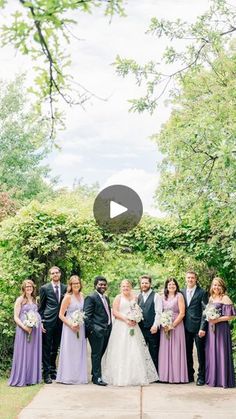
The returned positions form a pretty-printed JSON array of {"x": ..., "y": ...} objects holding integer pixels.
[
  {"x": 142, "y": 182},
  {"x": 66, "y": 160}
]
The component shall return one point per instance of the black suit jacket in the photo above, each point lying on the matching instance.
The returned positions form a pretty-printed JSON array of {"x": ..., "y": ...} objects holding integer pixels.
[
  {"x": 194, "y": 320},
  {"x": 96, "y": 319},
  {"x": 49, "y": 306}
]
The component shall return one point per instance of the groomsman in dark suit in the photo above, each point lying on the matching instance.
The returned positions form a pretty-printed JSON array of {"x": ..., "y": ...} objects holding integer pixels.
[
  {"x": 195, "y": 325},
  {"x": 98, "y": 326},
  {"x": 51, "y": 295},
  {"x": 151, "y": 305}
]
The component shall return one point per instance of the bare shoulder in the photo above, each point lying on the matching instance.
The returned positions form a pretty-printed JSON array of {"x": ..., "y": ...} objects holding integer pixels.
[
  {"x": 117, "y": 298},
  {"x": 67, "y": 297},
  {"x": 180, "y": 296},
  {"x": 226, "y": 300},
  {"x": 19, "y": 300}
]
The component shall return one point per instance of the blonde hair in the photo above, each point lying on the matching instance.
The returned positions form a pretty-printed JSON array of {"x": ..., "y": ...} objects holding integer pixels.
[
  {"x": 221, "y": 283},
  {"x": 23, "y": 290},
  {"x": 126, "y": 281},
  {"x": 69, "y": 283}
]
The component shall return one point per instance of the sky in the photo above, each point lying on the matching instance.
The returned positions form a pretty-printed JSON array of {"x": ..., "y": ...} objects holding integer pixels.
[{"x": 103, "y": 142}]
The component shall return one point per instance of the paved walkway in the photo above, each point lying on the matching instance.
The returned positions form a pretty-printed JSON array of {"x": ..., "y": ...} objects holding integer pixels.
[{"x": 156, "y": 401}]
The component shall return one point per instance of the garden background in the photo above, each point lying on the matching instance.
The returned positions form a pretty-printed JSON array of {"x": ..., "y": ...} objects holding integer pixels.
[{"x": 43, "y": 224}]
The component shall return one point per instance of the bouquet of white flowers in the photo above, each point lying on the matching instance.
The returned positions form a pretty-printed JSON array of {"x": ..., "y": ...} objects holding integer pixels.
[
  {"x": 31, "y": 320},
  {"x": 166, "y": 320},
  {"x": 211, "y": 313},
  {"x": 77, "y": 319},
  {"x": 135, "y": 314}
]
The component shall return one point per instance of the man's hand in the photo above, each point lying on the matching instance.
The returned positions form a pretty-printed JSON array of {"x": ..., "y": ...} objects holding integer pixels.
[
  {"x": 153, "y": 330},
  {"x": 201, "y": 333}
]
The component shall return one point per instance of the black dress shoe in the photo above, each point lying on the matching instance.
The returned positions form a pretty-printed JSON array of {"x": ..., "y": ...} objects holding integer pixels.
[
  {"x": 191, "y": 380},
  {"x": 200, "y": 382},
  {"x": 100, "y": 382},
  {"x": 48, "y": 380},
  {"x": 53, "y": 376}
]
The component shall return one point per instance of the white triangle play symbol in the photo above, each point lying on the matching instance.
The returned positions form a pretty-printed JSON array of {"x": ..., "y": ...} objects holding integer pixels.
[{"x": 116, "y": 209}]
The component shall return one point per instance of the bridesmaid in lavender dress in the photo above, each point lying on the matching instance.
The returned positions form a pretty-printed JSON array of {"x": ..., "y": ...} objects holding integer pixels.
[
  {"x": 27, "y": 357},
  {"x": 172, "y": 353},
  {"x": 72, "y": 366},
  {"x": 219, "y": 361}
]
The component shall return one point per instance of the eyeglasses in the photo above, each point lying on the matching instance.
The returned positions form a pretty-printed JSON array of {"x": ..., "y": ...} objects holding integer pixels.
[
  {"x": 54, "y": 273},
  {"x": 75, "y": 283}
]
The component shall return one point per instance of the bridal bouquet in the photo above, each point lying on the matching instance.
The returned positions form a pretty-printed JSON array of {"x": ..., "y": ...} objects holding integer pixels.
[
  {"x": 166, "y": 320},
  {"x": 135, "y": 314},
  {"x": 77, "y": 319},
  {"x": 211, "y": 313},
  {"x": 31, "y": 320}
]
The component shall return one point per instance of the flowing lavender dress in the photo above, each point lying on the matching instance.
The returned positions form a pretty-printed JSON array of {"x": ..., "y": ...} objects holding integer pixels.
[
  {"x": 27, "y": 357},
  {"x": 72, "y": 365},
  {"x": 172, "y": 353},
  {"x": 219, "y": 361}
]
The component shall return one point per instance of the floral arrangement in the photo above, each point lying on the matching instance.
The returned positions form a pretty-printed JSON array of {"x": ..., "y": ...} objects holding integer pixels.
[
  {"x": 135, "y": 314},
  {"x": 166, "y": 320},
  {"x": 211, "y": 313},
  {"x": 77, "y": 319},
  {"x": 31, "y": 320}
]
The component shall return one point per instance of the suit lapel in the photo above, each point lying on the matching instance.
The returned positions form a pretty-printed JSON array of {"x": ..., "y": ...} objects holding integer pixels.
[
  {"x": 62, "y": 292},
  {"x": 184, "y": 292}
]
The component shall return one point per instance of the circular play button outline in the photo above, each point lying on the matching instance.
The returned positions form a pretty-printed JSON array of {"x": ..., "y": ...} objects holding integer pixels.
[{"x": 117, "y": 209}]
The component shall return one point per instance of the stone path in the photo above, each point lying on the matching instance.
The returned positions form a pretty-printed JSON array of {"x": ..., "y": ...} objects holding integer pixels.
[{"x": 156, "y": 401}]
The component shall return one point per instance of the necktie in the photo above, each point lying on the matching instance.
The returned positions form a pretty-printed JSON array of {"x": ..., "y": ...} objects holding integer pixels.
[
  {"x": 189, "y": 296},
  {"x": 106, "y": 308},
  {"x": 57, "y": 292}
]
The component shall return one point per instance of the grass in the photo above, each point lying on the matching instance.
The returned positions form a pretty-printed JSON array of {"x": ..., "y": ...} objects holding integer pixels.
[{"x": 14, "y": 399}]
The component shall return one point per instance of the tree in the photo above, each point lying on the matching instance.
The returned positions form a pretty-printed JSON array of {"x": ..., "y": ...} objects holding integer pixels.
[
  {"x": 191, "y": 46},
  {"x": 42, "y": 29},
  {"x": 198, "y": 169},
  {"x": 24, "y": 140}
]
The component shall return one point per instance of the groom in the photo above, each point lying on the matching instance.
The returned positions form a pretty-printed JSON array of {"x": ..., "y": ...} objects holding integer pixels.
[
  {"x": 151, "y": 305},
  {"x": 98, "y": 326}
]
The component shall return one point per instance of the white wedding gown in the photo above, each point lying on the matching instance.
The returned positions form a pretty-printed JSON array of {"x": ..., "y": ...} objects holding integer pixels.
[{"x": 127, "y": 361}]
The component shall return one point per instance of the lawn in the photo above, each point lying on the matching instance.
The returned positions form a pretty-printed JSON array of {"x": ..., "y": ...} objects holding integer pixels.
[{"x": 13, "y": 399}]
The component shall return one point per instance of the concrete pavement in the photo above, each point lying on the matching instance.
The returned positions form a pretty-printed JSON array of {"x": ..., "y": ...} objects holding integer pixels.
[{"x": 162, "y": 401}]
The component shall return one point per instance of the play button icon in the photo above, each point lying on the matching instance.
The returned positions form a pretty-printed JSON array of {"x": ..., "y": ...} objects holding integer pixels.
[{"x": 117, "y": 209}]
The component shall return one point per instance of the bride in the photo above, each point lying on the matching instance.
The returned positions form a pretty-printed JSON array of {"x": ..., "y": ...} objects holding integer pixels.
[{"x": 127, "y": 360}]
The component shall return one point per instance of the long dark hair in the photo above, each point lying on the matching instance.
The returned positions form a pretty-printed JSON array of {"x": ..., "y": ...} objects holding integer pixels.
[{"x": 166, "y": 292}]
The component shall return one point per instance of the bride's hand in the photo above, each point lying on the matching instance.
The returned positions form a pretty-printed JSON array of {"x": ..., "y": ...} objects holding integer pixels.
[
  {"x": 75, "y": 328},
  {"x": 130, "y": 323}
]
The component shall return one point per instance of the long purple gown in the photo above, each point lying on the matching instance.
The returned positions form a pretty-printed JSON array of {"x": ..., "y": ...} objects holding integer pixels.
[
  {"x": 27, "y": 357},
  {"x": 172, "y": 359},
  {"x": 72, "y": 365},
  {"x": 219, "y": 361}
]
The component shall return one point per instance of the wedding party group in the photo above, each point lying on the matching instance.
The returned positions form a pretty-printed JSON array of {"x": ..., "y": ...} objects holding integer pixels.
[{"x": 146, "y": 337}]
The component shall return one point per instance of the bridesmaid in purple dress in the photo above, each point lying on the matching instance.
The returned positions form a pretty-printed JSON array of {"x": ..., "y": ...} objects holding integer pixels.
[
  {"x": 172, "y": 359},
  {"x": 72, "y": 365},
  {"x": 219, "y": 361},
  {"x": 27, "y": 357}
]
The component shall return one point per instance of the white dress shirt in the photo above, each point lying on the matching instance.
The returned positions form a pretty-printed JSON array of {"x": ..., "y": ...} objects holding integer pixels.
[
  {"x": 190, "y": 292},
  {"x": 157, "y": 306}
]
